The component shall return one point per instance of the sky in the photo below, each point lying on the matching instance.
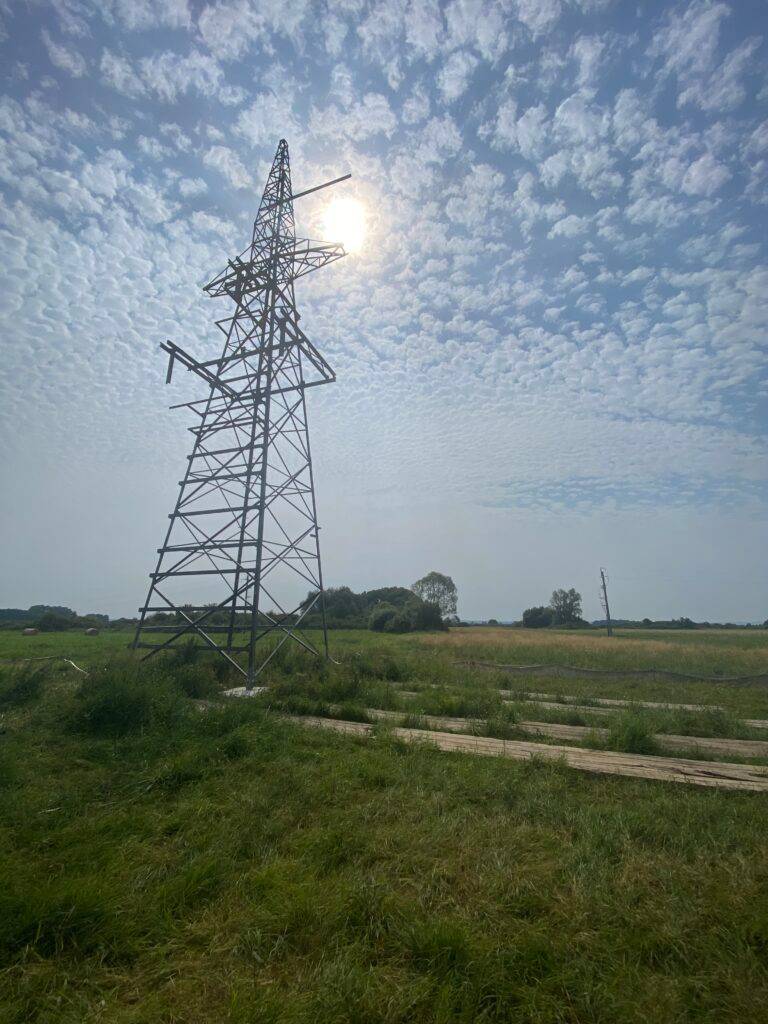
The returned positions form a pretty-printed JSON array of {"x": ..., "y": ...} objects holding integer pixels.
[{"x": 550, "y": 348}]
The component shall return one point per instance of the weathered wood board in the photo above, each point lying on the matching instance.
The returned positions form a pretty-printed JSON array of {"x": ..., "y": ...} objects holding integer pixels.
[
  {"x": 643, "y": 766},
  {"x": 704, "y": 744}
]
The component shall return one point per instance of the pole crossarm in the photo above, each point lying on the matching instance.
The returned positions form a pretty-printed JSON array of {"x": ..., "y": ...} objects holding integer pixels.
[{"x": 242, "y": 544}]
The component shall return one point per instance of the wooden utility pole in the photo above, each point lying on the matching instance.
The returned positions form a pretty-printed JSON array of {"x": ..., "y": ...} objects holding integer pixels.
[{"x": 605, "y": 603}]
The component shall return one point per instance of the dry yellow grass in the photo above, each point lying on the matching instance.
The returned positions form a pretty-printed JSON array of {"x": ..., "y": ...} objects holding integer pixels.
[{"x": 712, "y": 652}]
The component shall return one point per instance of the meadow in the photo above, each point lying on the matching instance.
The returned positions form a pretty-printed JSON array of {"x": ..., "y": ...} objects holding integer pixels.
[{"x": 172, "y": 856}]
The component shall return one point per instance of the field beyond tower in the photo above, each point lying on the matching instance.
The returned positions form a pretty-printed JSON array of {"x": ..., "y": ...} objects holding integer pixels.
[{"x": 242, "y": 547}]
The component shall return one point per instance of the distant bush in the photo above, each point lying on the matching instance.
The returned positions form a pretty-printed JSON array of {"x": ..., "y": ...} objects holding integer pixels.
[
  {"x": 415, "y": 614},
  {"x": 381, "y": 616},
  {"x": 538, "y": 618},
  {"x": 53, "y": 622},
  {"x": 344, "y": 609}
]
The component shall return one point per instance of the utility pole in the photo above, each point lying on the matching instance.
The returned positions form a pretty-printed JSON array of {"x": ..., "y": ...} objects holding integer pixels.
[{"x": 604, "y": 599}]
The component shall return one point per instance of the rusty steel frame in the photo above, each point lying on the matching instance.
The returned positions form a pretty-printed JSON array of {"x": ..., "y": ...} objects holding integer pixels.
[{"x": 246, "y": 509}]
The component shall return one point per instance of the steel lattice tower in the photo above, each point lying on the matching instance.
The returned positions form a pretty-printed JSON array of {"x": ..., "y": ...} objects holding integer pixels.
[{"x": 244, "y": 529}]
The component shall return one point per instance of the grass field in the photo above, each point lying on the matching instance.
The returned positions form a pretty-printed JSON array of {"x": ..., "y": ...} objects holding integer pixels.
[{"x": 169, "y": 857}]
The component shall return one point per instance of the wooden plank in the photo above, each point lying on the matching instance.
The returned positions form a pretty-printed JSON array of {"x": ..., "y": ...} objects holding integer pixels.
[
  {"x": 754, "y": 723},
  {"x": 603, "y": 704},
  {"x": 605, "y": 762},
  {"x": 609, "y": 702},
  {"x": 668, "y": 741},
  {"x": 557, "y": 706}
]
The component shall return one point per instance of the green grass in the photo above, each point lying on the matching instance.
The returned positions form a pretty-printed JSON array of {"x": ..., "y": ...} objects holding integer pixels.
[{"x": 170, "y": 858}]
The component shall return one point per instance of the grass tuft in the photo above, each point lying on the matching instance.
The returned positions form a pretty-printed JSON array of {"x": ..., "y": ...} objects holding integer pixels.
[
  {"x": 21, "y": 684},
  {"x": 120, "y": 699}
]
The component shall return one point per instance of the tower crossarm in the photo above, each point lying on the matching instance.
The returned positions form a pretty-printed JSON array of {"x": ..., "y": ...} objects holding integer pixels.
[
  {"x": 295, "y": 258},
  {"x": 176, "y": 352}
]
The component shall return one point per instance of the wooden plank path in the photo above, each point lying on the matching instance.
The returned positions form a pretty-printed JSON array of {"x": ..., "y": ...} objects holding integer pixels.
[
  {"x": 602, "y": 705},
  {"x": 603, "y": 762},
  {"x": 668, "y": 741},
  {"x": 754, "y": 723},
  {"x": 610, "y": 702}
]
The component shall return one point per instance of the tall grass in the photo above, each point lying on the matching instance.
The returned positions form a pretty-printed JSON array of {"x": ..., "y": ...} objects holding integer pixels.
[{"x": 163, "y": 863}]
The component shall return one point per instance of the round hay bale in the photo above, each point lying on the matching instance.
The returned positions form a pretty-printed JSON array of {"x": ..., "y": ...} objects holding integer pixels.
[
  {"x": 92, "y": 631},
  {"x": 29, "y": 631}
]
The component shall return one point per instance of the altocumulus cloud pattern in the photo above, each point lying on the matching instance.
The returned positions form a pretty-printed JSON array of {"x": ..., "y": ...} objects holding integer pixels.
[{"x": 560, "y": 306}]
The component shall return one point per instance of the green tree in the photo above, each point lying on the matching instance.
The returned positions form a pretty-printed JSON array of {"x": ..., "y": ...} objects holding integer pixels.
[
  {"x": 566, "y": 606},
  {"x": 381, "y": 617},
  {"x": 537, "y": 618},
  {"x": 435, "y": 588}
]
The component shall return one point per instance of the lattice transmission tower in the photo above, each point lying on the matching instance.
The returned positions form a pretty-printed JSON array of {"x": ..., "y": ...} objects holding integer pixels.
[{"x": 242, "y": 547}]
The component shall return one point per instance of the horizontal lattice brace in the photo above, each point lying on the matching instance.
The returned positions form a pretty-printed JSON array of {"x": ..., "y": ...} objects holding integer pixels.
[
  {"x": 216, "y": 477},
  {"x": 200, "y": 572},
  {"x": 255, "y": 397},
  {"x": 188, "y": 632},
  {"x": 247, "y": 354},
  {"x": 224, "y": 451},
  {"x": 209, "y": 546},
  {"x": 195, "y": 608},
  {"x": 175, "y": 628},
  {"x": 207, "y": 430},
  {"x": 179, "y": 513},
  {"x": 304, "y": 557}
]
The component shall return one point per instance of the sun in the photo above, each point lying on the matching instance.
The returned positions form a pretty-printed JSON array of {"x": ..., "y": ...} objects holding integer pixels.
[{"x": 344, "y": 222}]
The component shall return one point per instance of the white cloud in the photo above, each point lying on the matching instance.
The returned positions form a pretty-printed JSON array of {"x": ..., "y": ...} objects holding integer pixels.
[
  {"x": 269, "y": 118},
  {"x": 335, "y": 30},
  {"x": 528, "y": 133},
  {"x": 144, "y": 14},
  {"x": 230, "y": 28},
  {"x": 455, "y": 74},
  {"x": 704, "y": 176},
  {"x": 724, "y": 88},
  {"x": 538, "y": 15},
  {"x": 153, "y": 148},
  {"x": 688, "y": 45},
  {"x": 371, "y": 116},
  {"x": 416, "y": 107},
  {"x": 587, "y": 51},
  {"x": 478, "y": 24},
  {"x": 169, "y": 76},
  {"x": 439, "y": 138},
  {"x": 179, "y": 138},
  {"x": 63, "y": 57},
  {"x": 192, "y": 187},
  {"x": 424, "y": 27},
  {"x": 531, "y": 132},
  {"x": 688, "y": 41},
  {"x": 229, "y": 164},
  {"x": 569, "y": 226},
  {"x": 150, "y": 202},
  {"x": 118, "y": 73}
]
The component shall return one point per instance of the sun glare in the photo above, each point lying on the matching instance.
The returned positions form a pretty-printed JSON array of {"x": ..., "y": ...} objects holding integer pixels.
[{"x": 345, "y": 223}]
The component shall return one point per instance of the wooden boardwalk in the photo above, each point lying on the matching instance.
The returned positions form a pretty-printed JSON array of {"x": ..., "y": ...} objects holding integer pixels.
[{"x": 603, "y": 762}]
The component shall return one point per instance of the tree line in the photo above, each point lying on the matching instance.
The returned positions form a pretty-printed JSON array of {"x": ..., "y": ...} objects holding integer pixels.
[{"x": 564, "y": 609}]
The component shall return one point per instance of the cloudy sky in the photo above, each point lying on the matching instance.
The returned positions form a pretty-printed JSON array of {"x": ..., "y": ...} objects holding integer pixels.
[{"x": 550, "y": 350}]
